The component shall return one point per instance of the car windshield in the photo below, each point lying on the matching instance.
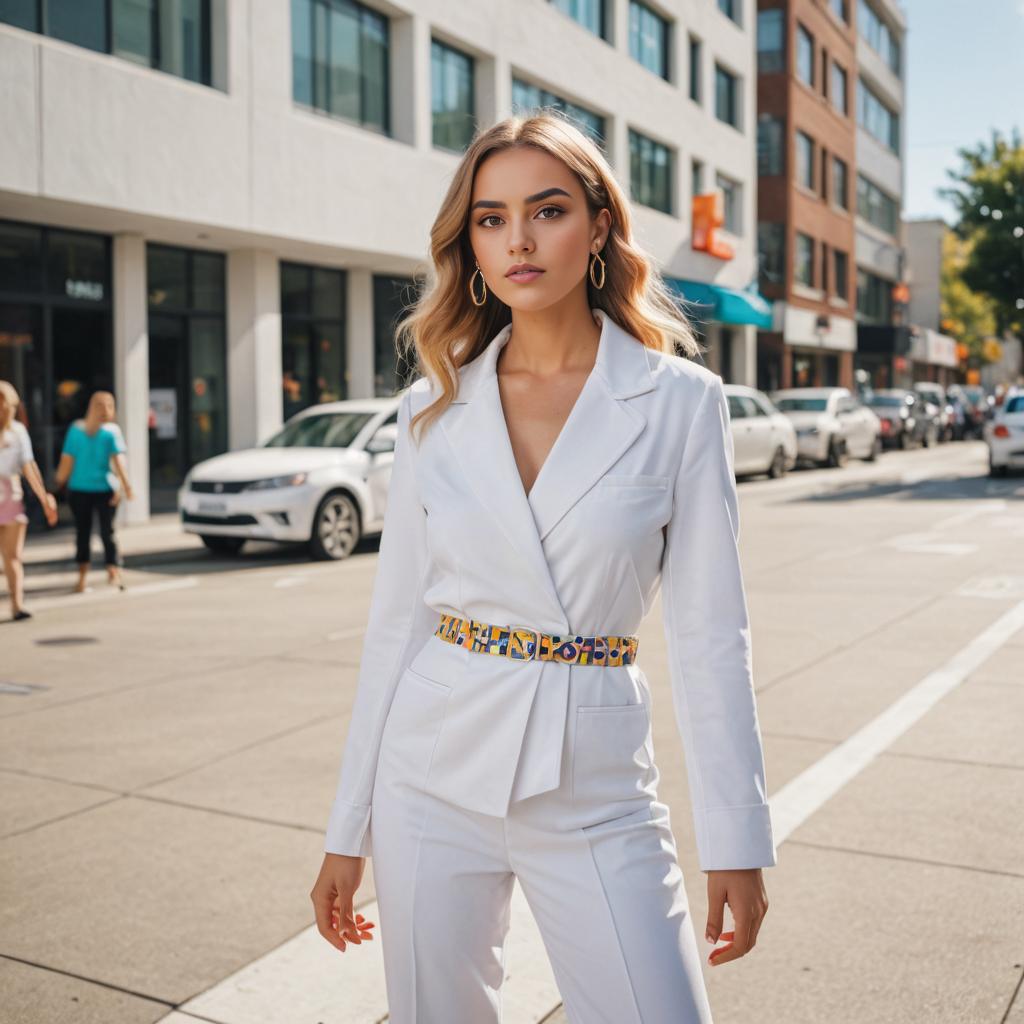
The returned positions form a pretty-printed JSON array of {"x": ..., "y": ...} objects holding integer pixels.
[
  {"x": 889, "y": 401},
  {"x": 320, "y": 430},
  {"x": 1015, "y": 404},
  {"x": 801, "y": 404}
]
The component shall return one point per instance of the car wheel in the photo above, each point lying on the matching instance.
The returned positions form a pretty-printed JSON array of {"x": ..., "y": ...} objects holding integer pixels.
[
  {"x": 778, "y": 464},
  {"x": 222, "y": 545},
  {"x": 837, "y": 454},
  {"x": 336, "y": 527}
]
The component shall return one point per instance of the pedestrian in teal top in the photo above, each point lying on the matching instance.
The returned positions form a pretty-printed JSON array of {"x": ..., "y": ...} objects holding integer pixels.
[{"x": 92, "y": 462}]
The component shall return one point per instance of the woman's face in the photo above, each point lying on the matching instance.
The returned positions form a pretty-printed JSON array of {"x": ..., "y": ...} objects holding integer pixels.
[{"x": 553, "y": 232}]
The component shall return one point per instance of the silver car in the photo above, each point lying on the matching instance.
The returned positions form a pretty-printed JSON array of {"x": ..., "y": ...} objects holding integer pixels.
[
  {"x": 322, "y": 479},
  {"x": 764, "y": 440},
  {"x": 831, "y": 424}
]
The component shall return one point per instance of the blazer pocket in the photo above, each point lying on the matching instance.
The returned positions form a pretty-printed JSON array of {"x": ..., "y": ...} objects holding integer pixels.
[
  {"x": 612, "y": 756},
  {"x": 650, "y": 480},
  {"x": 412, "y": 726}
]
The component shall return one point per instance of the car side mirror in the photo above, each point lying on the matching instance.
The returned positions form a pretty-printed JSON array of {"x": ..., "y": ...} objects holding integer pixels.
[{"x": 383, "y": 440}]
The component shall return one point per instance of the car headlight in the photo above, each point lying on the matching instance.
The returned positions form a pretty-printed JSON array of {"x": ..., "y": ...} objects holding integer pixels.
[{"x": 291, "y": 480}]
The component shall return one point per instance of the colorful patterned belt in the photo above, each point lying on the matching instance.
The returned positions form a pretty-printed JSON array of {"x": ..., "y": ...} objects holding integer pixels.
[{"x": 520, "y": 643}]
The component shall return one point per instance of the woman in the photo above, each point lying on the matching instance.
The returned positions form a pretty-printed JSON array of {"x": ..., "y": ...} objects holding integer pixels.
[
  {"x": 16, "y": 458},
  {"x": 91, "y": 446},
  {"x": 568, "y": 462}
]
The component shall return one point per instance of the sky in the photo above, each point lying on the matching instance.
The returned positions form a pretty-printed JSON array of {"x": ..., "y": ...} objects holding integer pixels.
[{"x": 965, "y": 76}]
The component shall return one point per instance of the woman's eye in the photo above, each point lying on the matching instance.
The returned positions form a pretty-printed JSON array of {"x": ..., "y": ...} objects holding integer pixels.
[{"x": 556, "y": 209}]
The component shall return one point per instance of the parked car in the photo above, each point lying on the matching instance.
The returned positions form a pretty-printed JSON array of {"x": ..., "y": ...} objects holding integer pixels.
[
  {"x": 322, "y": 479},
  {"x": 975, "y": 405},
  {"x": 764, "y": 440},
  {"x": 904, "y": 423},
  {"x": 1005, "y": 434},
  {"x": 831, "y": 424},
  {"x": 936, "y": 395}
]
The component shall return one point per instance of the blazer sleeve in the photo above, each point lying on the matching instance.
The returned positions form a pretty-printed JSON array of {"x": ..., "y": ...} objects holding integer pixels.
[
  {"x": 398, "y": 623},
  {"x": 707, "y": 633}
]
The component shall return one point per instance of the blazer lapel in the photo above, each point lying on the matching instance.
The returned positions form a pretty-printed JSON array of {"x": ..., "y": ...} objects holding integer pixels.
[{"x": 600, "y": 428}]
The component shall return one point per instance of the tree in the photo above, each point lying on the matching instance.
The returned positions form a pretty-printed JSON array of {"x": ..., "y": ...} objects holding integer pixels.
[
  {"x": 968, "y": 316},
  {"x": 989, "y": 202}
]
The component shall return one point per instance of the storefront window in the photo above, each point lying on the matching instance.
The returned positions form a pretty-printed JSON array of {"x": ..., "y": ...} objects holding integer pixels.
[{"x": 392, "y": 299}]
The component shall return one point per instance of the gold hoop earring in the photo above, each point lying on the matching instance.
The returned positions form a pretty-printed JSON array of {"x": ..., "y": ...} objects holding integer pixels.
[
  {"x": 595, "y": 260},
  {"x": 472, "y": 292}
]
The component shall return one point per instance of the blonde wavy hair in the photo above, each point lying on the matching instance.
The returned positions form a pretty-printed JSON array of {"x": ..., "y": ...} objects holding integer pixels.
[{"x": 445, "y": 330}]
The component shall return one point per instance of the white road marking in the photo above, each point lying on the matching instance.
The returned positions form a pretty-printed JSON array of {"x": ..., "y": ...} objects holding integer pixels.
[
  {"x": 305, "y": 979},
  {"x": 1001, "y": 588},
  {"x": 108, "y": 592},
  {"x": 801, "y": 797}
]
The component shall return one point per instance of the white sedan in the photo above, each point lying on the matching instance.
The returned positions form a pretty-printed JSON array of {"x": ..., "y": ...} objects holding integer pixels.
[
  {"x": 763, "y": 438},
  {"x": 1004, "y": 434},
  {"x": 831, "y": 423},
  {"x": 322, "y": 479}
]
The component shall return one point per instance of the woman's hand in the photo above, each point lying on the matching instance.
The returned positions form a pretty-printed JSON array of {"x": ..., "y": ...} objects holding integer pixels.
[
  {"x": 743, "y": 889},
  {"x": 339, "y": 879},
  {"x": 50, "y": 509}
]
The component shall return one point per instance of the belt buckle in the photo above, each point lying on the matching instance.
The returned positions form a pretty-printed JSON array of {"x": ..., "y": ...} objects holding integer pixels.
[{"x": 536, "y": 643}]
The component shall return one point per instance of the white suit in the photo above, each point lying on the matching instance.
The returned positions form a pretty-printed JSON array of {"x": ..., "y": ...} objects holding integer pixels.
[{"x": 478, "y": 768}]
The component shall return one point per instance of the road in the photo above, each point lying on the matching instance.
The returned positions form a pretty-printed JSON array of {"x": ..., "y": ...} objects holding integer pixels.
[{"x": 168, "y": 756}]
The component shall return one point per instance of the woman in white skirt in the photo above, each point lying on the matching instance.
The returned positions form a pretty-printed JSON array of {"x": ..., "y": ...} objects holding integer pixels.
[{"x": 558, "y": 462}]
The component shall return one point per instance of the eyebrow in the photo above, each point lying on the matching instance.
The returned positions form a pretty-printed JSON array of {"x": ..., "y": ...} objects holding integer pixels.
[{"x": 494, "y": 204}]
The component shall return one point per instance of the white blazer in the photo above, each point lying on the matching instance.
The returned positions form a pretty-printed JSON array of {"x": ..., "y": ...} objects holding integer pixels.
[{"x": 638, "y": 491}]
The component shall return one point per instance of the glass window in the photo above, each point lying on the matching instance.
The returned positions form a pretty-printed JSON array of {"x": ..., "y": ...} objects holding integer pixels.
[
  {"x": 77, "y": 266},
  {"x": 184, "y": 39},
  {"x": 726, "y": 96},
  {"x": 842, "y": 273},
  {"x": 648, "y": 38},
  {"x": 348, "y": 45},
  {"x": 207, "y": 400},
  {"x": 732, "y": 203},
  {"x": 804, "y": 55},
  {"x": 589, "y": 13},
  {"x": 650, "y": 165},
  {"x": 804, "y": 159},
  {"x": 771, "y": 253},
  {"x": 208, "y": 284},
  {"x": 839, "y": 9},
  {"x": 838, "y": 88},
  {"x": 875, "y": 206},
  {"x": 167, "y": 277},
  {"x": 771, "y": 40},
  {"x": 82, "y": 22},
  {"x": 695, "y": 69},
  {"x": 877, "y": 34},
  {"x": 451, "y": 95},
  {"x": 526, "y": 96},
  {"x": 769, "y": 145},
  {"x": 874, "y": 297},
  {"x": 697, "y": 177},
  {"x": 392, "y": 299},
  {"x": 21, "y": 258},
  {"x": 840, "y": 183},
  {"x": 876, "y": 118},
  {"x": 803, "y": 267},
  {"x": 21, "y": 13},
  {"x": 135, "y": 31},
  {"x": 731, "y": 9}
]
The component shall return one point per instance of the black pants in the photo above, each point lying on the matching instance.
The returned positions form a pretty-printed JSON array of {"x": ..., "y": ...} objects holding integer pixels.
[{"x": 82, "y": 504}]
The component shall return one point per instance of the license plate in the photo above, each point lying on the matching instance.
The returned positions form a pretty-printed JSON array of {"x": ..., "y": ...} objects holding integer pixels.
[{"x": 215, "y": 508}]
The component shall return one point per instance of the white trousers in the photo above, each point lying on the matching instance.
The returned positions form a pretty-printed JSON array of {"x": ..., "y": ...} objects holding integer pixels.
[{"x": 596, "y": 860}]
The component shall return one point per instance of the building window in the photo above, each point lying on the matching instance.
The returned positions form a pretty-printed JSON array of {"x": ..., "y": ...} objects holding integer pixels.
[
  {"x": 650, "y": 172},
  {"x": 732, "y": 203},
  {"x": 839, "y": 88},
  {"x": 803, "y": 266},
  {"x": 648, "y": 39},
  {"x": 771, "y": 253},
  {"x": 876, "y": 118},
  {"x": 451, "y": 96},
  {"x": 804, "y": 159},
  {"x": 771, "y": 41},
  {"x": 824, "y": 266},
  {"x": 877, "y": 34},
  {"x": 528, "y": 97},
  {"x": 313, "y": 364},
  {"x": 167, "y": 35},
  {"x": 340, "y": 61},
  {"x": 840, "y": 10},
  {"x": 588, "y": 13},
  {"x": 875, "y": 206},
  {"x": 769, "y": 145},
  {"x": 841, "y": 265},
  {"x": 874, "y": 297},
  {"x": 393, "y": 297},
  {"x": 731, "y": 9},
  {"x": 726, "y": 96},
  {"x": 697, "y": 177},
  {"x": 695, "y": 69},
  {"x": 840, "y": 183},
  {"x": 804, "y": 55},
  {"x": 824, "y": 72}
]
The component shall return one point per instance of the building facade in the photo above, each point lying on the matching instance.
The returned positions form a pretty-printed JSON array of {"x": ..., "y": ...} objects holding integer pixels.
[{"x": 218, "y": 208}]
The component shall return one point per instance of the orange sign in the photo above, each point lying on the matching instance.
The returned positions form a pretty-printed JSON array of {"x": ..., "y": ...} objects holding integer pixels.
[
  {"x": 708, "y": 216},
  {"x": 900, "y": 292}
]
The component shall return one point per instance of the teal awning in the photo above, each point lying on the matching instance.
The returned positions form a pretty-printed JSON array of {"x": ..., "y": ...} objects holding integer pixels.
[{"x": 726, "y": 305}]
